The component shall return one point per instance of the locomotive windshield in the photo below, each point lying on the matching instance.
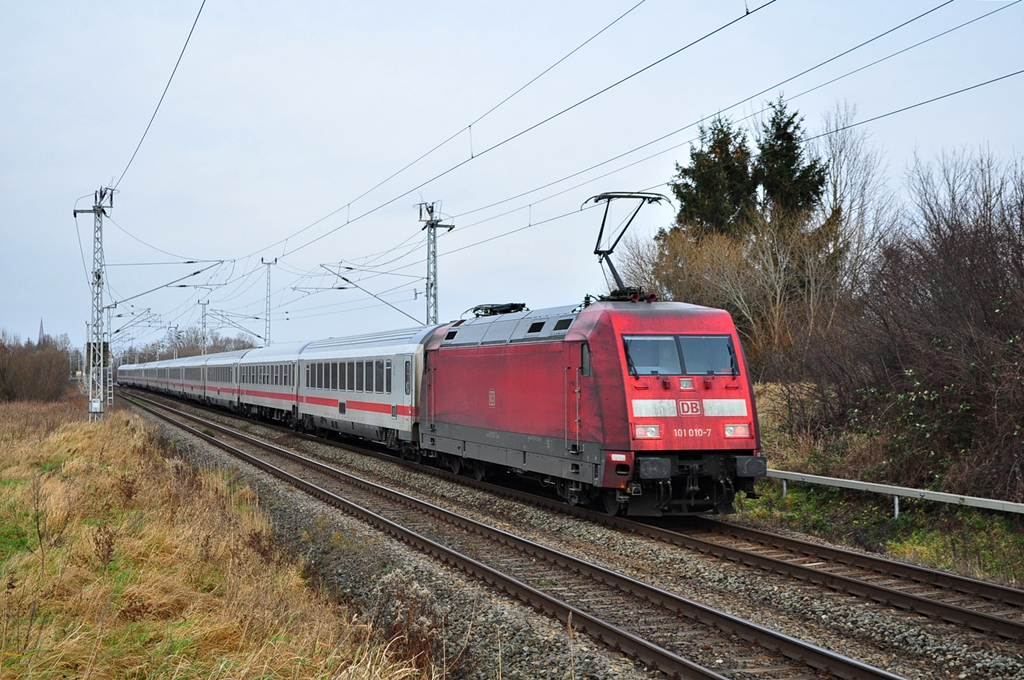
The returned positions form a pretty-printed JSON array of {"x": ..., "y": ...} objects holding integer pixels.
[{"x": 680, "y": 355}]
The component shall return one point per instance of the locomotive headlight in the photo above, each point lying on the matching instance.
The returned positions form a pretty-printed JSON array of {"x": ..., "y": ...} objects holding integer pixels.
[
  {"x": 738, "y": 430},
  {"x": 647, "y": 432},
  {"x": 686, "y": 383}
]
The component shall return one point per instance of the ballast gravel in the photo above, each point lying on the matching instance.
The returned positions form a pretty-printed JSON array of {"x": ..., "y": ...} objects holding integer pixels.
[{"x": 482, "y": 630}]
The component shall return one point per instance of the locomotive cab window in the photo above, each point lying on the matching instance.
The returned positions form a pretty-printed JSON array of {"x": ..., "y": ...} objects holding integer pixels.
[
  {"x": 680, "y": 355},
  {"x": 585, "y": 367}
]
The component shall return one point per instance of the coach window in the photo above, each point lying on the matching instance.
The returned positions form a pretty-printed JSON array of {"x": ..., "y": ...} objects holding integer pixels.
[
  {"x": 408, "y": 377},
  {"x": 387, "y": 376},
  {"x": 307, "y": 376},
  {"x": 378, "y": 374},
  {"x": 369, "y": 376},
  {"x": 350, "y": 372},
  {"x": 359, "y": 376},
  {"x": 585, "y": 359},
  {"x": 334, "y": 375}
]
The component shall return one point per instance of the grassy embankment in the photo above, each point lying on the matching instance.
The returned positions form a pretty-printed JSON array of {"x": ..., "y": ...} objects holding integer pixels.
[
  {"x": 119, "y": 560},
  {"x": 970, "y": 541}
]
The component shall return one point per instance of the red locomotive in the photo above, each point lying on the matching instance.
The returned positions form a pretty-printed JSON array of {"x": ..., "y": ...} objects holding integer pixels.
[{"x": 643, "y": 407}]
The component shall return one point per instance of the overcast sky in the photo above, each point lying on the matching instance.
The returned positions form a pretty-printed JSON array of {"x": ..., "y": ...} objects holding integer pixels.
[{"x": 283, "y": 116}]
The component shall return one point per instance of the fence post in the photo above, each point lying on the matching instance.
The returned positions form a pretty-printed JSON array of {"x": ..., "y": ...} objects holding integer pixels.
[
  {"x": 895, "y": 507},
  {"x": 783, "y": 488}
]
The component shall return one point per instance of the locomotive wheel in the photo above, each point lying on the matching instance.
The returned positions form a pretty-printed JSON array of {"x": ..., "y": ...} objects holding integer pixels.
[
  {"x": 612, "y": 506},
  {"x": 479, "y": 470},
  {"x": 455, "y": 464}
]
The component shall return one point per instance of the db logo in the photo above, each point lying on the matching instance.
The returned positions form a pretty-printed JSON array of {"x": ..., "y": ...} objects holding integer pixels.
[{"x": 689, "y": 408}]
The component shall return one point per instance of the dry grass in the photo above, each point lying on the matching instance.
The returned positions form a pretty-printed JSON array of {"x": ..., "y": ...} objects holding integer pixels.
[{"x": 117, "y": 560}]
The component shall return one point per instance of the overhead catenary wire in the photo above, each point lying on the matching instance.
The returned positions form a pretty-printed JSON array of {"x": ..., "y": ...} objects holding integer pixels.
[
  {"x": 468, "y": 127},
  {"x": 859, "y": 123},
  {"x": 526, "y": 130},
  {"x": 739, "y": 103},
  {"x": 918, "y": 104},
  {"x": 505, "y": 141},
  {"x": 149, "y": 245},
  {"x": 746, "y": 100},
  {"x": 164, "y": 94},
  {"x": 743, "y": 101},
  {"x": 810, "y": 138},
  {"x": 81, "y": 250}
]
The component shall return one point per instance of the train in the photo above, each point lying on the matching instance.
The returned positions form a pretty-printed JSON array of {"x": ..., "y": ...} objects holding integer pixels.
[{"x": 634, "y": 406}]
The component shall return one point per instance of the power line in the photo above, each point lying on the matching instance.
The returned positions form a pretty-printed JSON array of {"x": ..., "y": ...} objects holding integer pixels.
[
  {"x": 85, "y": 268},
  {"x": 530, "y": 128},
  {"x": 461, "y": 130},
  {"x": 740, "y": 103},
  {"x": 808, "y": 139},
  {"x": 914, "y": 106},
  {"x": 743, "y": 101},
  {"x": 499, "y": 144},
  {"x": 159, "y": 250},
  {"x": 153, "y": 117}
]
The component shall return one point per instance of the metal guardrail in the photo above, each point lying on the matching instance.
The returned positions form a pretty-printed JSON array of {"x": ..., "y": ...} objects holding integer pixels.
[{"x": 897, "y": 491}]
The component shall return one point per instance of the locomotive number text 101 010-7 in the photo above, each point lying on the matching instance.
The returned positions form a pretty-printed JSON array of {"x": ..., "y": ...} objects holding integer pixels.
[{"x": 692, "y": 432}]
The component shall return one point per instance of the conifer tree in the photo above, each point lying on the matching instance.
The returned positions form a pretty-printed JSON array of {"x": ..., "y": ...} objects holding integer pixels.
[
  {"x": 716, "y": 191},
  {"x": 790, "y": 184}
]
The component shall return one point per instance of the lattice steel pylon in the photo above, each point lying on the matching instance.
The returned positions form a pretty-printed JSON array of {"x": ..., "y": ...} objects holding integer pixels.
[
  {"x": 430, "y": 213},
  {"x": 96, "y": 349},
  {"x": 266, "y": 332}
]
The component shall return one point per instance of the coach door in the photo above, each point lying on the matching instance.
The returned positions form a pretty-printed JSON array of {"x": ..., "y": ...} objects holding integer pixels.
[
  {"x": 573, "y": 395},
  {"x": 428, "y": 397}
]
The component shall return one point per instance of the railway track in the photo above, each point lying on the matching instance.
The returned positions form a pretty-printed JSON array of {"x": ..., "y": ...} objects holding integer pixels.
[
  {"x": 980, "y": 605},
  {"x": 656, "y": 626}
]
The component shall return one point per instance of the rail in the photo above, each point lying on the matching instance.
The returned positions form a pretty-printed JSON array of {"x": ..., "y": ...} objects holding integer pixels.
[
  {"x": 896, "y": 492},
  {"x": 827, "y": 661}
]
